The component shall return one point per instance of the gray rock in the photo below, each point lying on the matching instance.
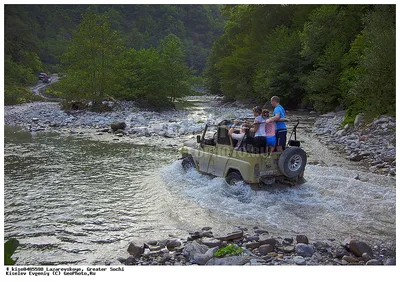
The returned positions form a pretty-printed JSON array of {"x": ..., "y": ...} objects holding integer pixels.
[
  {"x": 118, "y": 125},
  {"x": 193, "y": 248},
  {"x": 355, "y": 157},
  {"x": 261, "y": 231},
  {"x": 317, "y": 256},
  {"x": 121, "y": 260},
  {"x": 287, "y": 241},
  {"x": 304, "y": 250},
  {"x": 195, "y": 235},
  {"x": 233, "y": 260},
  {"x": 265, "y": 249},
  {"x": 130, "y": 261},
  {"x": 299, "y": 260},
  {"x": 267, "y": 240},
  {"x": 374, "y": 262},
  {"x": 230, "y": 236},
  {"x": 119, "y": 134},
  {"x": 171, "y": 244},
  {"x": 252, "y": 245},
  {"x": 152, "y": 242},
  {"x": 162, "y": 243},
  {"x": 288, "y": 249},
  {"x": 340, "y": 252},
  {"x": 253, "y": 238},
  {"x": 208, "y": 234},
  {"x": 210, "y": 242},
  {"x": 165, "y": 258},
  {"x": 359, "y": 247},
  {"x": 206, "y": 228},
  {"x": 341, "y": 132},
  {"x": 135, "y": 249},
  {"x": 349, "y": 259},
  {"x": 202, "y": 259},
  {"x": 358, "y": 120},
  {"x": 154, "y": 248},
  {"x": 302, "y": 239}
]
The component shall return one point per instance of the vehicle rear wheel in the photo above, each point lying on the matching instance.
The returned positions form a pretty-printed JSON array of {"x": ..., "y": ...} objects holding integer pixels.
[
  {"x": 233, "y": 178},
  {"x": 292, "y": 162},
  {"x": 187, "y": 163}
]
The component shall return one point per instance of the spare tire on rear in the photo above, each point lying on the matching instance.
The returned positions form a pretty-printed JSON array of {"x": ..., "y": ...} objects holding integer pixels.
[{"x": 292, "y": 161}]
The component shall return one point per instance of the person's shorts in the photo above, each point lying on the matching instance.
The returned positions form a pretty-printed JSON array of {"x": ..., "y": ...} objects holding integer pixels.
[
  {"x": 271, "y": 140},
  {"x": 281, "y": 138}
]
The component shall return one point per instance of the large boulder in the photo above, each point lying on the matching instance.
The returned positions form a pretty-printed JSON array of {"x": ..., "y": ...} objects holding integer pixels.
[
  {"x": 193, "y": 248},
  {"x": 135, "y": 249},
  {"x": 118, "y": 125},
  {"x": 202, "y": 259},
  {"x": 359, "y": 247}
]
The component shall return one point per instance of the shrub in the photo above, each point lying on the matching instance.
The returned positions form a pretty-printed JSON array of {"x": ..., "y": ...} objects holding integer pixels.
[{"x": 229, "y": 250}]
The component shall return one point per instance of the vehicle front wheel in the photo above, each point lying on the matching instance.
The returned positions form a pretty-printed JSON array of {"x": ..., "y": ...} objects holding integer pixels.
[
  {"x": 187, "y": 163},
  {"x": 233, "y": 178}
]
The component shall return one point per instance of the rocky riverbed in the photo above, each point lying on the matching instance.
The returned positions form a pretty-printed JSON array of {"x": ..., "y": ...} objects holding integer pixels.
[
  {"x": 256, "y": 247},
  {"x": 166, "y": 129},
  {"x": 372, "y": 144}
]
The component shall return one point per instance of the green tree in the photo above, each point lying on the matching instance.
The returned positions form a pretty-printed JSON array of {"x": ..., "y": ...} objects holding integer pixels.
[
  {"x": 280, "y": 67},
  {"x": 326, "y": 38},
  {"x": 175, "y": 71},
  {"x": 91, "y": 59},
  {"x": 143, "y": 78},
  {"x": 369, "y": 78}
]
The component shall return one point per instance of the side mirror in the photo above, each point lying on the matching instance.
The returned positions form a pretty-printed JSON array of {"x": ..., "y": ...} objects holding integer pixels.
[{"x": 198, "y": 139}]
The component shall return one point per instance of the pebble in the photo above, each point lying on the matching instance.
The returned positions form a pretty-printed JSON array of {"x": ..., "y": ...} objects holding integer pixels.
[{"x": 299, "y": 260}]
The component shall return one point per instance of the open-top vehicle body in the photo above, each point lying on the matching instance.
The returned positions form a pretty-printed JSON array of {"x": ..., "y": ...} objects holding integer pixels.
[{"x": 215, "y": 155}]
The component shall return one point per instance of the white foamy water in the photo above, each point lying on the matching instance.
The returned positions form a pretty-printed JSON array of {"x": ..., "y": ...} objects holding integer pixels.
[{"x": 332, "y": 204}]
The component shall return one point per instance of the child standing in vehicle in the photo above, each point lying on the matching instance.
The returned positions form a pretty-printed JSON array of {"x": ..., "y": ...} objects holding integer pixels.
[{"x": 270, "y": 129}]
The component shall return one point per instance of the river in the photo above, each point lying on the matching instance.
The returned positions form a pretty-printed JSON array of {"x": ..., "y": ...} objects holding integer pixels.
[{"x": 78, "y": 200}]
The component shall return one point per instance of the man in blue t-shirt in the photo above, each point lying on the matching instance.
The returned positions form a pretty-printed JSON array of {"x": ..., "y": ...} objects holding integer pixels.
[{"x": 281, "y": 131}]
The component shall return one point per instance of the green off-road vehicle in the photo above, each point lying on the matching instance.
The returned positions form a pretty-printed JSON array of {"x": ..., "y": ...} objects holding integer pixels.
[{"x": 215, "y": 155}]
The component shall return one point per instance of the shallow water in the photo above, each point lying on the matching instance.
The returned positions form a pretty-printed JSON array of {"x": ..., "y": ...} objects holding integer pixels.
[{"x": 72, "y": 200}]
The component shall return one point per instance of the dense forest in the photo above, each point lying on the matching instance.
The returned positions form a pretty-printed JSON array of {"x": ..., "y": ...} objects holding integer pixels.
[
  {"x": 323, "y": 57},
  {"x": 49, "y": 38}
]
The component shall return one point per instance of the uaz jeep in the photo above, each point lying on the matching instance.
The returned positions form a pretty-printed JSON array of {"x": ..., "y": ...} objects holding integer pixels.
[{"x": 215, "y": 155}]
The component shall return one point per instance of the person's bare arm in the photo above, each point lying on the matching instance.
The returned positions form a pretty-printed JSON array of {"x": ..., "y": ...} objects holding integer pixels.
[{"x": 274, "y": 118}]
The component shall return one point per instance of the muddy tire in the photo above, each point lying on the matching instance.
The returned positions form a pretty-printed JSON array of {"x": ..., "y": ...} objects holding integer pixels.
[
  {"x": 188, "y": 163},
  {"x": 292, "y": 162},
  {"x": 233, "y": 178}
]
